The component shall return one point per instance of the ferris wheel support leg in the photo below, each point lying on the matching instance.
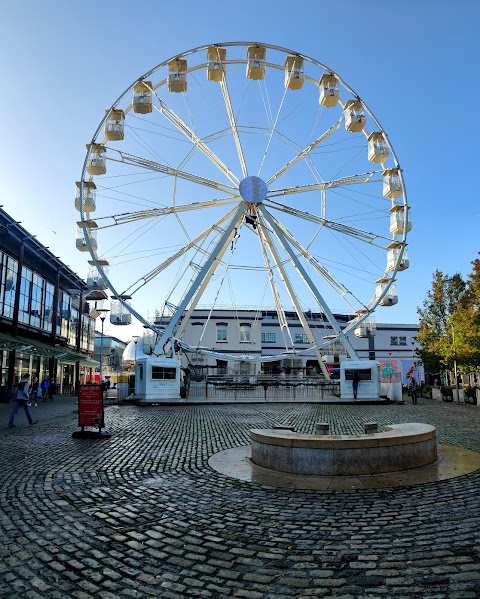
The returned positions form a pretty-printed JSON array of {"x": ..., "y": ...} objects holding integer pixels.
[
  {"x": 303, "y": 273},
  {"x": 196, "y": 289},
  {"x": 323, "y": 368}
]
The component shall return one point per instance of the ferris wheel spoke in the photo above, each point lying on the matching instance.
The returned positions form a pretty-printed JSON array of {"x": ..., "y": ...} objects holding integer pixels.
[
  {"x": 171, "y": 116},
  {"x": 343, "y": 291},
  {"x": 142, "y": 281},
  {"x": 365, "y": 236},
  {"x": 233, "y": 124},
  {"x": 306, "y": 151},
  {"x": 198, "y": 286},
  {"x": 352, "y": 180},
  {"x": 158, "y": 167},
  {"x": 128, "y": 217},
  {"x": 308, "y": 281}
]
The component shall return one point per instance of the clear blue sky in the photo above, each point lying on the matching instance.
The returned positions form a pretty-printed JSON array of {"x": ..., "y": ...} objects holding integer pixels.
[{"x": 415, "y": 63}]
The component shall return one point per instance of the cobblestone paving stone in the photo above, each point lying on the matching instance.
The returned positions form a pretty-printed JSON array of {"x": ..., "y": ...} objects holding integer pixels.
[{"x": 142, "y": 515}]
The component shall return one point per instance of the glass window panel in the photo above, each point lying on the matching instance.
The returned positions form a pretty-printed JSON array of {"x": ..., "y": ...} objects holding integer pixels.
[
  {"x": 245, "y": 333},
  {"x": 159, "y": 372},
  {"x": 268, "y": 337},
  {"x": 221, "y": 332}
]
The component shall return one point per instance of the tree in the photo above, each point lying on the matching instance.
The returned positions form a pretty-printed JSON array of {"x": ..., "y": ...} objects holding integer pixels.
[
  {"x": 436, "y": 320},
  {"x": 466, "y": 323}
]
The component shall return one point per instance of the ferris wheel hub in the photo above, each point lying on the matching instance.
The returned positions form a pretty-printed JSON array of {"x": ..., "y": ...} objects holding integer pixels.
[{"x": 253, "y": 189}]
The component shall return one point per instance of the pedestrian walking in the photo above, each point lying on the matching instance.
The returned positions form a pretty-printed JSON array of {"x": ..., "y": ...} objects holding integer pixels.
[
  {"x": 413, "y": 389},
  {"x": 45, "y": 386},
  {"x": 39, "y": 395},
  {"x": 34, "y": 392},
  {"x": 22, "y": 401},
  {"x": 52, "y": 389},
  {"x": 355, "y": 381}
]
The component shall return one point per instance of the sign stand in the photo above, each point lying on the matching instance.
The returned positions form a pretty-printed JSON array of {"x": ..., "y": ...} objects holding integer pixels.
[{"x": 90, "y": 413}]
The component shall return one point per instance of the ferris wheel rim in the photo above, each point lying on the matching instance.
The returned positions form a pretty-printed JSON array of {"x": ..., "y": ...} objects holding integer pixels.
[{"x": 93, "y": 253}]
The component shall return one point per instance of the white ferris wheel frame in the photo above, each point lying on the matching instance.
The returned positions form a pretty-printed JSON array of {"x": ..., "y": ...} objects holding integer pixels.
[{"x": 290, "y": 245}]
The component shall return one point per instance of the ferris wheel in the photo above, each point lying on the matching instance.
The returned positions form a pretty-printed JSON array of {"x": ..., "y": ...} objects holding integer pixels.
[{"x": 243, "y": 174}]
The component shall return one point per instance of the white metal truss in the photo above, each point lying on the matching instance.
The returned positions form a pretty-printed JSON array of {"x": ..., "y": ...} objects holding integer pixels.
[
  {"x": 365, "y": 236},
  {"x": 305, "y": 151},
  {"x": 233, "y": 124},
  {"x": 327, "y": 276},
  {"x": 293, "y": 296},
  {"x": 128, "y": 217},
  {"x": 198, "y": 286},
  {"x": 308, "y": 281},
  {"x": 183, "y": 127},
  {"x": 158, "y": 167},
  {"x": 139, "y": 283},
  {"x": 352, "y": 180}
]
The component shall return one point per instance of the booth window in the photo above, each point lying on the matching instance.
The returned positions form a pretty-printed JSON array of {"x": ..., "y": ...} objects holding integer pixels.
[
  {"x": 140, "y": 371},
  {"x": 365, "y": 374},
  {"x": 159, "y": 372}
]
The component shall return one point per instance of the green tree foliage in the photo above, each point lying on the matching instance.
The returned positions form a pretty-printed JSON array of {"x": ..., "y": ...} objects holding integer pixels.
[
  {"x": 466, "y": 323},
  {"x": 436, "y": 321}
]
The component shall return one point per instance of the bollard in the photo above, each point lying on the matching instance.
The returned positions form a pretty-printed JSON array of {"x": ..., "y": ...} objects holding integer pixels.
[
  {"x": 370, "y": 427},
  {"x": 322, "y": 428}
]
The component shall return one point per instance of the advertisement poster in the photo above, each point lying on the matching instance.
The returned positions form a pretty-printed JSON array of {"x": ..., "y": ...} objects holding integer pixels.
[
  {"x": 412, "y": 369},
  {"x": 390, "y": 371},
  {"x": 90, "y": 406}
]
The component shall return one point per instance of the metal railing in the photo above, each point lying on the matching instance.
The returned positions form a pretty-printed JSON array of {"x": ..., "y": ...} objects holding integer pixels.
[{"x": 263, "y": 387}]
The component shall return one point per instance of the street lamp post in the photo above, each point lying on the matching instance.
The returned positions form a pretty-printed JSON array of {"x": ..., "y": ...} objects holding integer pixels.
[{"x": 102, "y": 314}]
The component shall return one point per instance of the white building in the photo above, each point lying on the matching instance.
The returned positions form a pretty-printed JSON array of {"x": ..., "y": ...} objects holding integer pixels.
[{"x": 239, "y": 332}]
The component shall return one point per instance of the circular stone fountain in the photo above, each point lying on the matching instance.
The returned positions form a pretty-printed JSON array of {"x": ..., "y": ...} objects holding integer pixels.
[{"x": 399, "y": 447}]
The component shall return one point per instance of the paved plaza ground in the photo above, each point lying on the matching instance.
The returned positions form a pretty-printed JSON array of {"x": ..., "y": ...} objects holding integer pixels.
[{"x": 143, "y": 515}]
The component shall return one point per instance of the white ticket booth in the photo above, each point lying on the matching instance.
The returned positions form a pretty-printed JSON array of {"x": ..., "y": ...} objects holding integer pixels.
[
  {"x": 368, "y": 384},
  {"x": 157, "y": 380}
]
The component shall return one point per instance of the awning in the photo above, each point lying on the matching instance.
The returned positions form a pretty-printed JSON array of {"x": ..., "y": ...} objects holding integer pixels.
[{"x": 38, "y": 348}]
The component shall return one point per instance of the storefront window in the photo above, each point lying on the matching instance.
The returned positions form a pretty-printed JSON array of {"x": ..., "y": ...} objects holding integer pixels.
[
  {"x": 72, "y": 334},
  {"x": 10, "y": 286},
  {"x": 25, "y": 290},
  {"x": 36, "y": 301},
  {"x": 48, "y": 307}
]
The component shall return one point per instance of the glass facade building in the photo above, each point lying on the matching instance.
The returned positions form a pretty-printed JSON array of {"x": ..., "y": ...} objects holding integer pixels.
[{"x": 45, "y": 327}]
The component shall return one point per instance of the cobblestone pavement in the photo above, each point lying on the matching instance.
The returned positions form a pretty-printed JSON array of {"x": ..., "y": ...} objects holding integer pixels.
[{"x": 141, "y": 514}]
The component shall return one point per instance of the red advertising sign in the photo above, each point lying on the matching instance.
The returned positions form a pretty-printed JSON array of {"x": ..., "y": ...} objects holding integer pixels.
[{"x": 90, "y": 406}]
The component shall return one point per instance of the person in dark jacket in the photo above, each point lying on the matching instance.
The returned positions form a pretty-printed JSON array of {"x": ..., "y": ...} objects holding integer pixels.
[
  {"x": 52, "y": 389},
  {"x": 22, "y": 401},
  {"x": 34, "y": 392},
  {"x": 355, "y": 381}
]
